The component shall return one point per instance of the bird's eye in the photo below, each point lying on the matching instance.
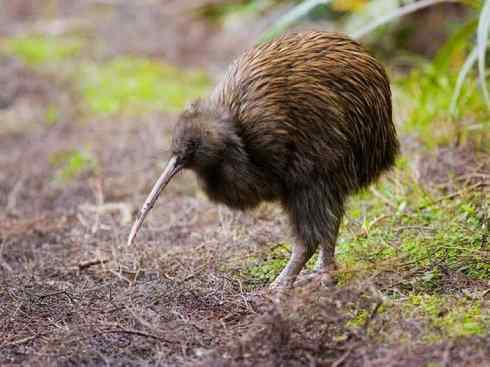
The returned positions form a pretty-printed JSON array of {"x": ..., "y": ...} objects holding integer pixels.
[{"x": 193, "y": 144}]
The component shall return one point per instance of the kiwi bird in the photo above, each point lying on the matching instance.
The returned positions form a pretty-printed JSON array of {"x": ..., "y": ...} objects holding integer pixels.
[{"x": 304, "y": 120}]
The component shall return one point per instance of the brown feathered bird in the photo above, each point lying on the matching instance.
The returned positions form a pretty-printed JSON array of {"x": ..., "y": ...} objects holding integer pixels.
[{"x": 304, "y": 120}]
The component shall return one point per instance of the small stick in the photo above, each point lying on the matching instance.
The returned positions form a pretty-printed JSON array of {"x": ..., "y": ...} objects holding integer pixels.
[
  {"x": 20, "y": 341},
  {"x": 138, "y": 333},
  {"x": 88, "y": 264},
  {"x": 342, "y": 358},
  {"x": 12, "y": 197},
  {"x": 452, "y": 195},
  {"x": 372, "y": 315}
]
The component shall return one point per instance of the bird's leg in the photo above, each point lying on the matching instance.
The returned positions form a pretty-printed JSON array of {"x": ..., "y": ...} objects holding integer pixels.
[
  {"x": 315, "y": 213},
  {"x": 300, "y": 256},
  {"x": 325, "y": 264},
  {"x": 326, "y": 256},
  {"x": 325, "y": 260}
]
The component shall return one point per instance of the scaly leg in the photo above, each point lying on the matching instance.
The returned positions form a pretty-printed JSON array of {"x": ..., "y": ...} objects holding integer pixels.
[
  {"x": 300, "y": 256},
  {"x": 326, "y": 257},
  {"x": 315, "y": 213},
  {"x": 325, "y": 260}
]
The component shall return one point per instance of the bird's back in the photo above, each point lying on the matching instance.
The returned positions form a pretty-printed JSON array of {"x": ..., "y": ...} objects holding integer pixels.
[{"x": 310, "y": 103}]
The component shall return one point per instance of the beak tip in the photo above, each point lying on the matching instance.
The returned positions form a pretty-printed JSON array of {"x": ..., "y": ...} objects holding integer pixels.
[{"x": 171, "y": 169}]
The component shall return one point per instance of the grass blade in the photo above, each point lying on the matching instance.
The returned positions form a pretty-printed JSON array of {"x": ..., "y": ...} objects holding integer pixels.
[
  {"x": 292, "y": 16},
  {"x": 469, "y": 62},
  {"x": 401, "y": 11},
  {"x": 481, "y": 45}
]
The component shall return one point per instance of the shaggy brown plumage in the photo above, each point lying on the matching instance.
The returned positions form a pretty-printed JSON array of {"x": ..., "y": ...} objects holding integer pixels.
[{"x": 305, "y": 120}]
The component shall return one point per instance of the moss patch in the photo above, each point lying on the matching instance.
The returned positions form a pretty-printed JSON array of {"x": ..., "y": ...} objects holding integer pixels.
[
  {"x": 129, "y": 85},
  {"x": 39, "y": 50},
  {"x": 448, "y": 316},
  {"x": 399, "y": 224},
  {"x": 264, "y": 269},
  {"x": 71, "y": 164},
  {"x": 132, "y": 85}
]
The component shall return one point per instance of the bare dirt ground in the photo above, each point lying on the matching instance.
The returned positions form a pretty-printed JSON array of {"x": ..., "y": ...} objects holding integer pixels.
[{"x": 72, "y": 293}]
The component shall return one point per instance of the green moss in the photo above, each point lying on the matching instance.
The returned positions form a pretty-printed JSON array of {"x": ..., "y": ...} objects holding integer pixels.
[
  {"x": 448, "y": 316},
  {"x": 220, "y": 11},
  {"x": 465, "y": 320},
  {"x": 38, "y": 50},
  {"x": 359, "y": 319},
  {"x": 51, "y": 115},
  {"x": 398, "y": 225},
  {"x": 122, "y": 85},
  {"x": 133, "y": 85},
  {"x": 455, "y": 236},
  {"x": 263, "y": 270},
  {"x": 71, "y": 163}
]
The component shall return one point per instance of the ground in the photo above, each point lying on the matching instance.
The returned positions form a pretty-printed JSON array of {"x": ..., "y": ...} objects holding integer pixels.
[{"x": 87, "y": 109}]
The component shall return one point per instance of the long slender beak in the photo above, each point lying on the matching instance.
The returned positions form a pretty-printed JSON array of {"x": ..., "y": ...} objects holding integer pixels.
[{"x": 172, "y": 168}]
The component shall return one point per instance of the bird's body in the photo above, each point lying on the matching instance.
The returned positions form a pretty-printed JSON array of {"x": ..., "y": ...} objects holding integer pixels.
[{"x": 304, "y": 120}]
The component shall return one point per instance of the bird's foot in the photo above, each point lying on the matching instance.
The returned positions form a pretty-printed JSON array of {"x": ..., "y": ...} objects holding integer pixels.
[
  {"x": 282, "y": 283},
  {"x": 325, "y": 276},
  {"x": 322, "y": 277}
]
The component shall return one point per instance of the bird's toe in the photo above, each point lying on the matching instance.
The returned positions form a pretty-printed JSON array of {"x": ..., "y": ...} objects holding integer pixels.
[
  {"x": 282, "y": 282},
  {"x": 321, "y": 276}
]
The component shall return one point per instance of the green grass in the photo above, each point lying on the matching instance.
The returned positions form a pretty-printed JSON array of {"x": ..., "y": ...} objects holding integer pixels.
[
  {"x": 52, "y": 115},
  {"x": 40, "y": 50},
  {"x": 219, "y": 12},
  {"x": 448, "y": 316},
  {"x": 423, "y": 249},
  {"x": 404, "y": 224},
  {"x": 128, "y": 85},
  {"x": 134, "y": 85},
  {"x": 428, "y": 92},
  {"x": 264, "y": 269},
  {"x": 70, "y": 164}
]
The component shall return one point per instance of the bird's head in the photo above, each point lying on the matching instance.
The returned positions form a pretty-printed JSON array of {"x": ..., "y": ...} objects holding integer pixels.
[
  {"x": 200, "y": 136},
  {"x": 199, "y": 141}
]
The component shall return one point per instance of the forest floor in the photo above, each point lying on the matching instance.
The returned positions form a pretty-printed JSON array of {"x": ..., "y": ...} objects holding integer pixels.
[{"x": 88, "y": 97}]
